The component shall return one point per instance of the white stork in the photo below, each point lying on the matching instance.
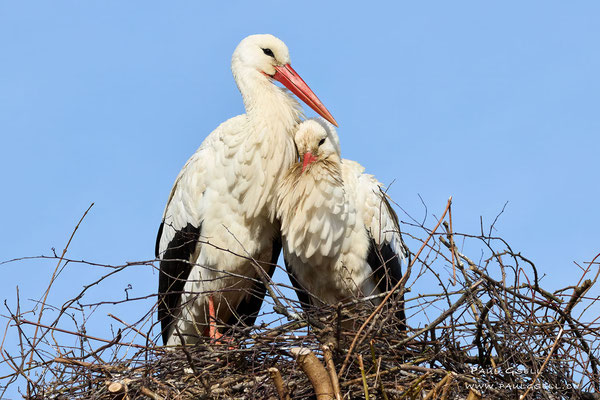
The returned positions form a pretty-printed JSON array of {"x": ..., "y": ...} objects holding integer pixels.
[
  {"x": 221, "y": 208},
  {"x": 341, "y": 238}
]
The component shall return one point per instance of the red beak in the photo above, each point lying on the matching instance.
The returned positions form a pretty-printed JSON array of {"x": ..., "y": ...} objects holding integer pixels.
[
  {"x": 291, "y": 80},
  {"x": 307, "y": 160}
]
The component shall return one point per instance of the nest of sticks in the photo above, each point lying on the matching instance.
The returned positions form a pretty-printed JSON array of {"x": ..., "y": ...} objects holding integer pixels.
[{"x": 489, "y": 331}]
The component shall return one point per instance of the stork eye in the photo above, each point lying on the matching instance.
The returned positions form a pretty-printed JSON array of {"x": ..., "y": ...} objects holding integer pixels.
[
  {"x": 321, "y": 141},
  {"x": 268, "y": 52}
]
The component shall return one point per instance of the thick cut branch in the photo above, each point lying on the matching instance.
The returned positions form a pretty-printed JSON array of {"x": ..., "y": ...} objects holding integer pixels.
[
  {"x": 316, "y": 373},
  {"x": 279, "y": 385}
]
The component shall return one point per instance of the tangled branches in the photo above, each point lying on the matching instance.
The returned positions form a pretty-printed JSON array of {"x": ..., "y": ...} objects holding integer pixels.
[{"x": 490, "y": 331}]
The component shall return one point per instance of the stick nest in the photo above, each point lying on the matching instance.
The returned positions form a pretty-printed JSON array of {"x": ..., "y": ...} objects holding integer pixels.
[{"x": 489, "y": 331}]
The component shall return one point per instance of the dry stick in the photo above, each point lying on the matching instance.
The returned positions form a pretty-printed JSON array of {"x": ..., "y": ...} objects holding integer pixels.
[
  {"x": 100, "y": 349},
  {"x": 363, "y": 375},
  {"x": 148, "y": 393},
  {"x": 52, "y": 328},
  {"x": 52, "y": 281},
  {"x": 377, "y": 373},
  {"x": 138, "y": 346},
  {"x": 447, "y": 386},
  {"x": 364, "y": 378},
  {"x": 452, "y": 247},
  {"x": 316, "y": 373},
  {"x": 442, "y": 317},
  {"x": 439, "y": 385},
  {"x": 378, "y": 378},
  {"x": 22, "y": 335},
  {"x": 474, "y": 395},
  {"x": 588, "y": 268},
  {"x": 578, "y": 293},
  {"x": 327, "y": 356},
  {"x": 418, "y": 368},
  {"x": 88, "y": 365},
  {"x": 415, "y": 389},
  {"x": 373, "y": 375},
  {"x": 477, "y": 304},
  {"x": 130, "y": 326},
  {"x": 544, "y": 364},
  {"x": 451, "y": 238},
  {"x": 5, "y": 333},
  {"x": 18, "y": 370},
  {"x": 402, "y": 281},
  {"x": 188, "y": 356},
  {"x": 279, "y": 385},
  {"x": 573, "y": 323}
]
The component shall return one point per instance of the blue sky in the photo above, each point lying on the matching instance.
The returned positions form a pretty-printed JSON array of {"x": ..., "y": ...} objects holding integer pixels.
[{"x": 104, "y": 101}]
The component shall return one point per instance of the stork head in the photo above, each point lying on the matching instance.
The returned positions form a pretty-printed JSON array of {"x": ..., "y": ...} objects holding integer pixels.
[
  {"x": 317, "y": 140},
  {"x": 261, "y": 53},
  {"x": 267, "y": 57}
]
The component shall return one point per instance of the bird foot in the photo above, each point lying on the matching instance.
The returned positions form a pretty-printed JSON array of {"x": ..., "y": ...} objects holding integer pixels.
[{"x": 219, "y": 339}]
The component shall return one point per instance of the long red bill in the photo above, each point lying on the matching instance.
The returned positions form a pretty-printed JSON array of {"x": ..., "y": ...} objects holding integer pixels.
[{"x": 291, "y": 80}]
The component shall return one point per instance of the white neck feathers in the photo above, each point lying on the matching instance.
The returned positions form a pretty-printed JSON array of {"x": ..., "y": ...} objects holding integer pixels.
[{"x": 268, "y": 148}]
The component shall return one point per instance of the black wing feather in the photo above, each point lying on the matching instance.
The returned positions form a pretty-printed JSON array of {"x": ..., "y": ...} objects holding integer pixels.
[
  {"x": 387, "y": 270},
  {"x": 302, "y": 294},
  {"x": 175, "y": 268}
]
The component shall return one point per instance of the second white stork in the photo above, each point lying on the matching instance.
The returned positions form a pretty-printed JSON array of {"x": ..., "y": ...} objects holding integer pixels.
[
  {"x": 341, "y": 238},
  {"x": 220, "y": 212}
]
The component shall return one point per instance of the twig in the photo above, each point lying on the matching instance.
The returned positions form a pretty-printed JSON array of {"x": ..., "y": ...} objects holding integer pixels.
[
  {"x": 543, "y": 365},
  {"x": 53, "y": 278},
  {"x": 328, "y": 357},
  {"x": 24, "y": 321},
  {"x": 357, "y": 337},
  {"x": 364, "y": 378},
  {"x": 442, "y": 383},
  {"x": 130, "y": 327},
  {"x": 441, "y": 318},
  {"x": 148, "y": 393},
  {"x": 88, "y": 365},
  {"x": 451, "y": 239},
  {"x": 374, "y": 375}
]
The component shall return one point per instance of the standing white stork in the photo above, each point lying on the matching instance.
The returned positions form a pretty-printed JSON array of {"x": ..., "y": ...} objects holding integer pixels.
[
  {"x": 341, "y": 238},
  {"x": 221, "y": 209}
]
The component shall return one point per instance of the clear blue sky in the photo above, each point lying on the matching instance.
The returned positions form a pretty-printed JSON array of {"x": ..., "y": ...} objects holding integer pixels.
[{"x": 104, "y": 101}]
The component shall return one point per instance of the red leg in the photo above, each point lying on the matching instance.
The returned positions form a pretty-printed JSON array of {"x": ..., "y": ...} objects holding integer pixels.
[{"x": 213, "y": 332}]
